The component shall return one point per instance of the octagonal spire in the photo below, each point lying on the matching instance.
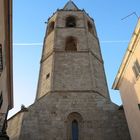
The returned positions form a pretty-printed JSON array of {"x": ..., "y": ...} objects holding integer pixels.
[{"x": 70, "y": 6}]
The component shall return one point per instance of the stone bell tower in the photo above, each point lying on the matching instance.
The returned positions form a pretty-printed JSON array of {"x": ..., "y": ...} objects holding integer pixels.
[
  {"x": 71, "y": 59},
  {"x": 72, "y": 101}
]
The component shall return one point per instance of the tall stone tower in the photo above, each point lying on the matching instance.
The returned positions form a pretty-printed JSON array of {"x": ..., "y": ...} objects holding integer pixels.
[
  {"x": 72, "y": 101},
  {"x": 71, "y": 59}
]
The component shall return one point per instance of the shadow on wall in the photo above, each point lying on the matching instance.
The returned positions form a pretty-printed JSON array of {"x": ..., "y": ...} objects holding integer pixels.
[
  {"x": 131, "y": 100},
  {"x": 130, "y": 92}
]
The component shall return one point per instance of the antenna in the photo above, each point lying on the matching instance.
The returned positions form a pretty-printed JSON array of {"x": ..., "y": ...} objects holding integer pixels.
[{"x": 134, "y": 13}]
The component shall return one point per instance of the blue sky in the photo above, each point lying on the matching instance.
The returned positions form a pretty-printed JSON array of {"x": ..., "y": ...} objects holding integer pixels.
[{"x": 29, "y": 30}]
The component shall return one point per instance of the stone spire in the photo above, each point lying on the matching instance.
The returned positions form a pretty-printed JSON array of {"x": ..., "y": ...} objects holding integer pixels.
[{"x": 70, "y": 6}]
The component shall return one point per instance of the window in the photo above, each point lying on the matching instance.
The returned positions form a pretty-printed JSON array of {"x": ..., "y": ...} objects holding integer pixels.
[
  {"x": 48, "y": 75},
  {"x": 136, "y": 68},
  {"x": 139, "y": 106},
  {"x": 74, "y": 126},
  {"x": 1, "y": 100},
  {"x": 70, "y": 22},
  {"x": 71, "y": 44},
  {"x": 51, "y": 27},
  {"x": 75, "y": 130},
  {"x": 1, "y": 61},
  {"x": 90, "y": 27}
]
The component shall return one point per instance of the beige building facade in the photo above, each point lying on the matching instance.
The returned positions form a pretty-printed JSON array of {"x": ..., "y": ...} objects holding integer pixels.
[
  {"x": 6, "y": 76},
  {"x": 72, "y": 101},
  {"x": 128, "y": 83}
]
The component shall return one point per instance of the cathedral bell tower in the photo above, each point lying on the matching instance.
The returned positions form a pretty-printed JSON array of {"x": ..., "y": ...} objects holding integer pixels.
[
  {"x": 72, "y": 101},
  {"x": 71, "y": 58}
]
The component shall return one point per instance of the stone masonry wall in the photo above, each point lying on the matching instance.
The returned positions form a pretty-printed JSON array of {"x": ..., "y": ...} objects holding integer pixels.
[{"x": 48, "y": 118}]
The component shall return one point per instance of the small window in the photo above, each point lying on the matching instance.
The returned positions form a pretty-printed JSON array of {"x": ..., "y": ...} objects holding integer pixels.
[
  {"x": 139, "y": 106},
  {"x": 1, "y": 61},
  {"x": 136, "y": 68},
  {"x": 71, "y": 44},
  {"x": 1, "y": 100},
  {"x": 75, "y": 130},
  {"x": 70, "y": 22},
  {"x": 90, "y": 27},
  {"x": 48, "y": 75},
  {"x": 51, "y": 27}
]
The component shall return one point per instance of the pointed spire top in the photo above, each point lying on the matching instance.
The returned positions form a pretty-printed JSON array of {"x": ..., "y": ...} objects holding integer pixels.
[{"x": 70, "y": 6}]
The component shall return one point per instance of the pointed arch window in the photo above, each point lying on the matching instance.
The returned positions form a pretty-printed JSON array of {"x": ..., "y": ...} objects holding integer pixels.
[
  {"x": 51, "y": 27},
  {"x": 75, "y": 130},
  {"x": 74, "y": 126},
  {"x": 90, "y": 27},
  {"x": 70, "y": 22},
  {"x": 71, "y": 44}
]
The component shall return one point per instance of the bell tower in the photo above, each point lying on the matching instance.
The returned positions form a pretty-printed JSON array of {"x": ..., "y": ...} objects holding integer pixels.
[
  {"x": 72, "y": 100},
  {"x": 71, "y": 57}
]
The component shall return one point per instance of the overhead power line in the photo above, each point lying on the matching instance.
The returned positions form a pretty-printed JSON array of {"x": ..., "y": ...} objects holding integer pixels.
[{"x": 134, "y": 13}]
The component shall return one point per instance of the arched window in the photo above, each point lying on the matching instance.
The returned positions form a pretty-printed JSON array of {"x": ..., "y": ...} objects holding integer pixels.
[
  {"x": 70, "y": 22},
  {"x": 74, "y": 126},
  {"x": 71, "y": 44},
  {"x": 75, "y": 130},
  {"x": 90, "y": 27},
  {"x": 51, "y": 27}
]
